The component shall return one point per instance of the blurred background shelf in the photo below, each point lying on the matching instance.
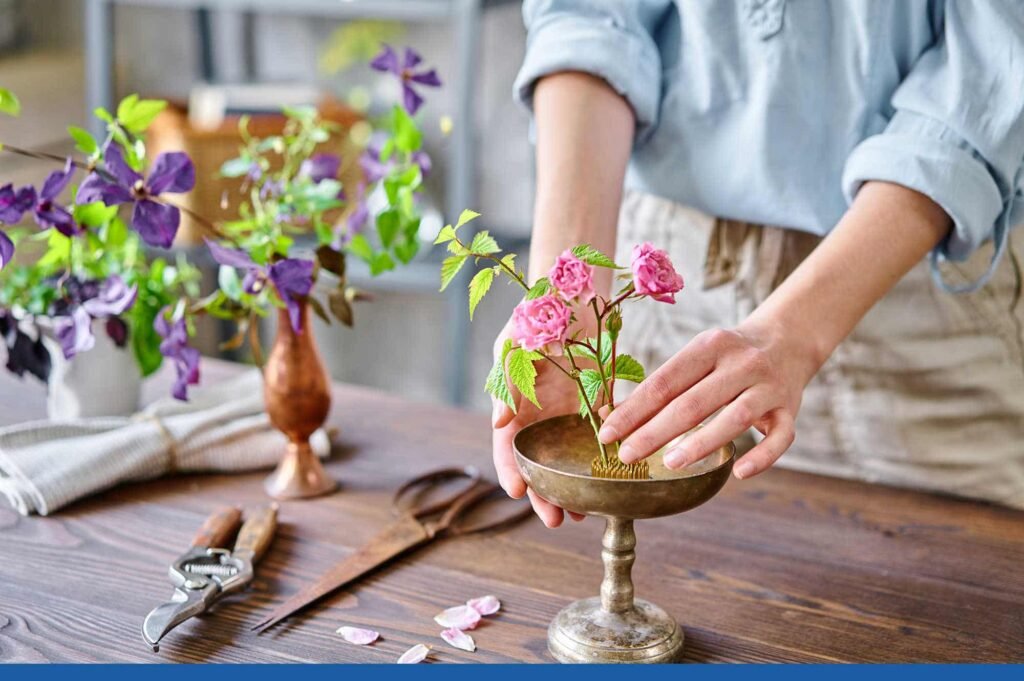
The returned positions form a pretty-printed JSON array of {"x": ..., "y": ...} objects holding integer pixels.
[{"x": 163, "y": 47}]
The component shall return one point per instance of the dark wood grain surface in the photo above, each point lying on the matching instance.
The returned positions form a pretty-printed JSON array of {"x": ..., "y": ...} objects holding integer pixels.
[{"x": 785, "y": 567}]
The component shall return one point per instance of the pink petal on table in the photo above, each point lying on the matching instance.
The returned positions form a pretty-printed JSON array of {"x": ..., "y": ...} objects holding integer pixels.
[
  {"x": 460, "y": 617},
  {"x": 485, "y": 605},
  {"x": 414, "y": 655},
  {"x": 459, "y": 639},
  {"x": 359, "y": 637}
]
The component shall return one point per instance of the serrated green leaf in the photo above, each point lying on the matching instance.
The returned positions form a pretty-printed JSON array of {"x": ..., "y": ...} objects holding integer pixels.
[
  {"x": 9, "y": 103},
  {"x": 478, "y": 287},
  {"x": 540, "y": 288},
  {"x": 627, "y": 368},
  {"x": 455, "y": 248},
  {"x": 466, "y": 216},
  {"x": 606, "y": 349},
  {"x": 591, "y": 381},
  {"x": 405, "y": 251},
  {"x": 496, "y": 384},
  {"x": 484, "y": 244},
  {"x": 450, "y": 267},
  {"x": 592, "y": 256},
  {"x": 141, "y": 115},
  {"x": 446, "y": 234},
  {"x": 522, "y": 374},
  {"x": 84, "y": 142}
]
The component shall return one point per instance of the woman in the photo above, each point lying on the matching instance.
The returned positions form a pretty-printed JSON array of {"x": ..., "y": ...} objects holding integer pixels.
[{"x": 799, "y": 161}]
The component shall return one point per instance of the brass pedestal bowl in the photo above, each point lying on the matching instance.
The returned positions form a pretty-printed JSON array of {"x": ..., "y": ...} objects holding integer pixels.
[{"x": 554, "y": 457}]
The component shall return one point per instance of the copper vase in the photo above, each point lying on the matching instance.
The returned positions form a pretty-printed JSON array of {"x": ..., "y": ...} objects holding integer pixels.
[{"x": 298, "y": 398}]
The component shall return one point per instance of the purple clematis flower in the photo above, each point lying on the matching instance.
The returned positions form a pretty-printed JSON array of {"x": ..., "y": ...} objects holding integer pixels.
[
  {"x": 14, "y": 204},
  {"x": 320, "y": 167},
  {"x": 359, "y": 216},
  {"x": 389, "y": 61},
  {"x": 113, "y": 298},
  {"x": 175, "y": 348},
  {"x": 292, "y": 277},
  {"x": 49, "y": 214},
  {"x": 156, "y": 222},
  {"x": 6, "y": 250}
]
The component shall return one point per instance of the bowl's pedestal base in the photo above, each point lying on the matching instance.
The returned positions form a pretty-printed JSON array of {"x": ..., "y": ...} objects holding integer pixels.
[{"x": 586, "y": 633}]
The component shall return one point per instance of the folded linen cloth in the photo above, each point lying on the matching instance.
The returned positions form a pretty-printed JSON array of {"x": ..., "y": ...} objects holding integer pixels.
[{"x": 45, "y": 465}]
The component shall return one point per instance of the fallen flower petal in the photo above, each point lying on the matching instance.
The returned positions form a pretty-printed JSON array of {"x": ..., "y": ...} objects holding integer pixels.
[
  {"x": 485, "y": 605},
  {"x": 414, "y": 655},
  {"x": 359, "y": 637},
  {"x": 460, "y": 617},
  {"x": 459, "y": 639}
]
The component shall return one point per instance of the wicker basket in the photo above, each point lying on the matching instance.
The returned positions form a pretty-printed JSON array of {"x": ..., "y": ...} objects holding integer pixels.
[{"x": 210, "y": 148}]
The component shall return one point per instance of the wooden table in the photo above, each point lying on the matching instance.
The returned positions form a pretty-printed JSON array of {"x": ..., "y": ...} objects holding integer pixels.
[{"x": 785, "y": 567}]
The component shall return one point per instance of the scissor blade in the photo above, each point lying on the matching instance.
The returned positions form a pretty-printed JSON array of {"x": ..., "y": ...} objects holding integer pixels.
[
  {"x": 394, "y": 540},
  {"x": 185, "y": 603}
]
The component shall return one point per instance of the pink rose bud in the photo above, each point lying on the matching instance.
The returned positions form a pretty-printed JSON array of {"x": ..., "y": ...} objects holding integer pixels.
[
  {"x": 572, "y": 278},
  {"x": 541, "y": 321},
  {"x": 654, "y": 275}
]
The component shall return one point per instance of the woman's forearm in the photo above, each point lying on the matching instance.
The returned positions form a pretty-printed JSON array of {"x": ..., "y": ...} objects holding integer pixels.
[
  {"x": 887, "y": 231},
  {"x": 584, "y": 138}
]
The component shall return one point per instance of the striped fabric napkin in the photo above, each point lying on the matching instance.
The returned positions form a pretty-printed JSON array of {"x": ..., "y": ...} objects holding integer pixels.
[{"x": 45, "y": 465}]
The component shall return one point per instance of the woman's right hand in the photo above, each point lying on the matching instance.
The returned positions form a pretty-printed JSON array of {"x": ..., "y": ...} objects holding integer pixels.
[{"x": 557, "y": 396}]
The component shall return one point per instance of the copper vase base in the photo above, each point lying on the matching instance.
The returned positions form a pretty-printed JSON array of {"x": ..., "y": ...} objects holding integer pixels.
[
  {"x": 585, "y": 633},
  {"x": 300, "y": 475}
]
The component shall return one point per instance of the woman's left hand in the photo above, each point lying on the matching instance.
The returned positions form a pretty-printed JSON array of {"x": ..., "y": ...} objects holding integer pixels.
[{"x": 754, "y": 374}]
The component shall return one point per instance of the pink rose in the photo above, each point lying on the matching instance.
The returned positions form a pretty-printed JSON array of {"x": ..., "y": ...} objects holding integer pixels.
[
  {"x": 654, "y": 275},
  {"x": 538, "y": 322},
  {"x": 572, "y": 278}
]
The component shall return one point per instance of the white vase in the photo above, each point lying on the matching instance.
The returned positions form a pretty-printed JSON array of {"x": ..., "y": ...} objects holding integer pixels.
[{"x": 104, "y": 381}]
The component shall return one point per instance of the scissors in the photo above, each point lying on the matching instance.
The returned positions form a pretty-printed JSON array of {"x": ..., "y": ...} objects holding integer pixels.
[
  {"x": 419, "y": 522},
  {"x": 208, "y": 571}
]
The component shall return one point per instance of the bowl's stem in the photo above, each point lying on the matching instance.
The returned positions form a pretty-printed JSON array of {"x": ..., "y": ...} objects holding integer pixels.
[{"x": 618, "y": 556}]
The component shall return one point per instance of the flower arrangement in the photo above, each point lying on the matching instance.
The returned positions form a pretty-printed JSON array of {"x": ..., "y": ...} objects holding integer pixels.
[
  {"x": 294, "y": 221},
  {"x": 546, "y": 324}
]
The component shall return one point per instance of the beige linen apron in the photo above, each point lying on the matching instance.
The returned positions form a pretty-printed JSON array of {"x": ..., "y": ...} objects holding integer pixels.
[{"x": 928, "y": 390}]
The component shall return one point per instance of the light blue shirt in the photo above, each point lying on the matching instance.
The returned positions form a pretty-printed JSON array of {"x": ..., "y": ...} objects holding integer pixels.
[{"x": 776, "y": 112}]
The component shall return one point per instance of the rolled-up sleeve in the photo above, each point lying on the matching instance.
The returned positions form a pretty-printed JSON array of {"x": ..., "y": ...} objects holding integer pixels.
[
  {"x": 611, "y": 39},
  {"x": 957, "y": 134}
]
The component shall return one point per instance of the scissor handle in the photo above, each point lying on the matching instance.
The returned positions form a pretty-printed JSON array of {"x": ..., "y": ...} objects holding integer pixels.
[
  {"x": 398, "y": 501},
  {"x": 218, "y": 529},
  {"x": 257, "y": 532},
  {"x": 451, "y": 521}
]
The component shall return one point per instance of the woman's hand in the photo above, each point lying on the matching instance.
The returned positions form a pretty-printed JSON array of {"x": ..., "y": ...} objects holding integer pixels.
[
  {"x": 754, "y": 375},
  {"x": 557, "y": 396}
]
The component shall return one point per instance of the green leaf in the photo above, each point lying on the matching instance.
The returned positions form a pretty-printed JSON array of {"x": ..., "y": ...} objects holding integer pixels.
[
  {"x": 380, "y": 263},
  {"x": 466, "y": 216},
  {"x": 541, "y": 287},
  {"x": 229, "y": 283},
  {"x": 94, "y": 214},
  {"x": 496, "y": 383},
  {"x": 388, "y": 224},
  {"x": 627, "y": 368},
  {"x": 592, "y": 256},
  {"x": 606, "y": 349},
  {"x": 9, "y": 103},
  {"x": 478, "y": 288},
  {"x": 136, "y": 114},
  {"x": 522, "y": 374},
  {"x": 84, "y": 142},
  {"x": 446, "y": 234},
  {"x": 450, "y": 267},
  {"x": 591, "y": 381},
  {"x": 360, "y": 247},
  {"x": 484, "y": 244},
  {"x": 408, "y": 137},
  {"x": 144, "y": 339},
  {"x": 102, "y": 114},
  {"x": 405, "y": 251},
  {"x": 236, "y": 167}
]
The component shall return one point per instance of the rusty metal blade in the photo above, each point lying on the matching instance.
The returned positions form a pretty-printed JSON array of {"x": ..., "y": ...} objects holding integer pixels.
[{"x": 394, "y": 540}]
